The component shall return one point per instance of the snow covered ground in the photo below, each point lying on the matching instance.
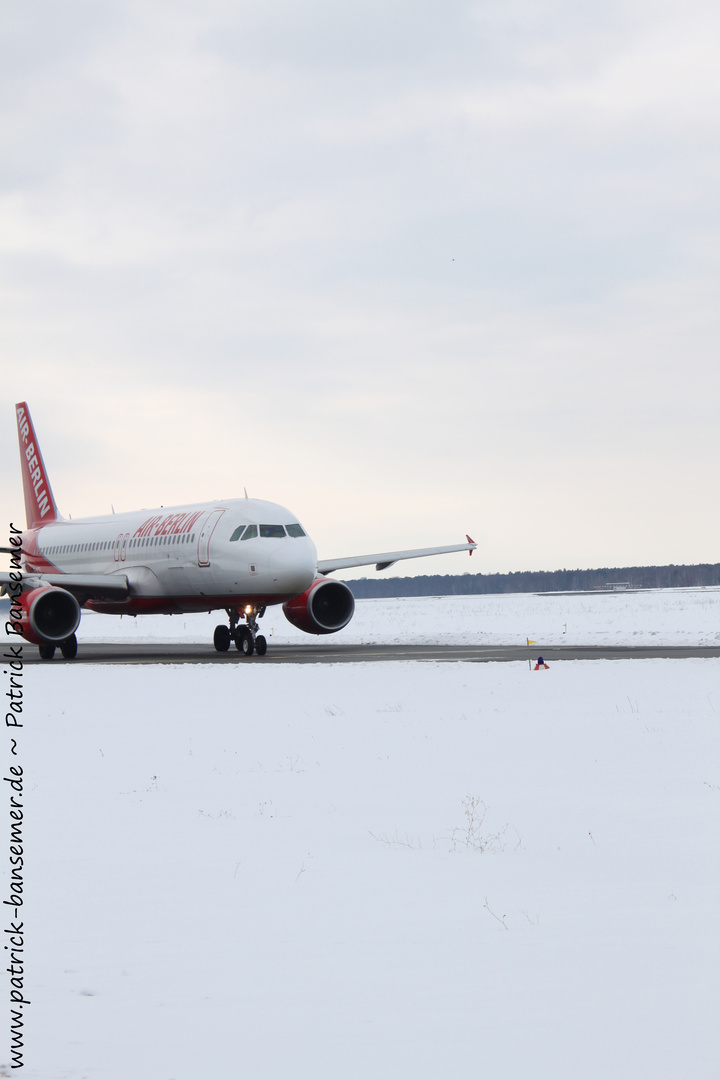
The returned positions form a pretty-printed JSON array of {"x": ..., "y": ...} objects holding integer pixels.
[
  {"x": 380, "y": 870},
  {"x": 650, "y": 617}
]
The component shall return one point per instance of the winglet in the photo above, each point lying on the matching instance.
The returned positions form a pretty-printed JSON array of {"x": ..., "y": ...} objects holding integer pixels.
[
  {"x": 470, "y": 541},
  {"x": 40, "y": 506}
]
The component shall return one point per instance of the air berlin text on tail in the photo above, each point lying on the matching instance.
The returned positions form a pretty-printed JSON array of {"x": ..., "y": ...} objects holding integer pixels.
[{"x": 35, "y": 472}]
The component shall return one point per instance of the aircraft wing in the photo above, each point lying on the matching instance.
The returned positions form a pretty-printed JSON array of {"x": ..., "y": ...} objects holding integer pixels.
[
  {"x": 82, "y": 586},
  {"x": 384, "y": 559}
]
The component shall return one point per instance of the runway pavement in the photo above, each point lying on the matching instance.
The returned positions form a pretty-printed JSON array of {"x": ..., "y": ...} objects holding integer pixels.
[{"x": 326, "y": 653}]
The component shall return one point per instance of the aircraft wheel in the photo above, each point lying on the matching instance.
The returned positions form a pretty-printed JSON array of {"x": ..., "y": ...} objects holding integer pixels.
[
  {"x": 221, "y": 638},
  {"x": 46, "y": 651},
  {"x": 244, "y": 641},
  {"x": 69, "y": 647},
  {"x": 260, "y": 645}
]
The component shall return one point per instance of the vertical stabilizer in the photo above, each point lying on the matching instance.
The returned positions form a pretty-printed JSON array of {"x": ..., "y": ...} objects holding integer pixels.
[{"x": 40, "y": 506}]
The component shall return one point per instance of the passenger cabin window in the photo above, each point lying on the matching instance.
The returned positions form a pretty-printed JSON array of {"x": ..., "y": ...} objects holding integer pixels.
[
  {"x": 295, "y": 530},
  {"x": 238, "y": 533},
  {"x": 273, "y": 531},
  {"x": 250, "y": 533}
]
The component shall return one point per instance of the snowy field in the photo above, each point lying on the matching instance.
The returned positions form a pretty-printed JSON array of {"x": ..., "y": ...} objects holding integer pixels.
[
  {"x": 381, "y": 871},
  {"x": 650, "y": 617}
]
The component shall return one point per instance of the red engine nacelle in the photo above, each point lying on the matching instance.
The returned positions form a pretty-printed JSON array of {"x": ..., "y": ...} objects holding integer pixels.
[
  {"x": 324, "y": 608},
  {"x": 49, "y": 615}
]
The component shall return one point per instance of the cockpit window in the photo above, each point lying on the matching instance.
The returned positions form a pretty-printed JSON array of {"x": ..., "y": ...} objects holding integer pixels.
[
  {"x": 295, "y": 530},
  {"x": 238, "y": 533},
  {"x": 250, "y": 533},
  {"x": 272, "y": 530}
]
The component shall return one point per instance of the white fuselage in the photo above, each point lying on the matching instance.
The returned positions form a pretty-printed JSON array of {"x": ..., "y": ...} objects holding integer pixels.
[{"x": 183, "y": 558}]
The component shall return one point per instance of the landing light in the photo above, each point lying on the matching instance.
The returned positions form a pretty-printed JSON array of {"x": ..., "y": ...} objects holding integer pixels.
[{"x": 248, "y": 610}]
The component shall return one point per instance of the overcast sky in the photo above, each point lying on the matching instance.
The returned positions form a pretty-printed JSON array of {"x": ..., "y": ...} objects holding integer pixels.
[{"x": 413, "y": 268}]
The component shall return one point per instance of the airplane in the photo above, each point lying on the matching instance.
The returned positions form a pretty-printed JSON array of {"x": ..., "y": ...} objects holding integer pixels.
[{"x": 240, "y": 555}]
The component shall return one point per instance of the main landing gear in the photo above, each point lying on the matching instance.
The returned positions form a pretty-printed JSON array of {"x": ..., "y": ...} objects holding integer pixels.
[
  {"x": 247, "y": 639},
  {"x": 68, "y": 648}
]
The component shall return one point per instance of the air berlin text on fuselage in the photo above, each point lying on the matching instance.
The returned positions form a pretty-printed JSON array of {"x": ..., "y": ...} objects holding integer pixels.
[
  {"x": 169, "y": 523},
  {"x": 33, "y": 465}
]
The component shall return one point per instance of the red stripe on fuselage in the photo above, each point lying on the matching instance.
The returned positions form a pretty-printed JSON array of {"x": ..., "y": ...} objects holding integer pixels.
[
  {"x": 34, "y": 562},
  {"x": 181, "y": 605}
]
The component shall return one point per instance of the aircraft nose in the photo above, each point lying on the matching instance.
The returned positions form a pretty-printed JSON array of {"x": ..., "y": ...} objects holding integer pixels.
[{"x": 292, "y": 566}]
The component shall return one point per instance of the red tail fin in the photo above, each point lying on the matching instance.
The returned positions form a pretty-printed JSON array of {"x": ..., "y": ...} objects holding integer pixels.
[{"x": 40, "y": 506}]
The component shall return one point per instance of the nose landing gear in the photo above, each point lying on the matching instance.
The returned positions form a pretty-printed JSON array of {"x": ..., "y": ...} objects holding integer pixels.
[{"x": 247, "y": 639}]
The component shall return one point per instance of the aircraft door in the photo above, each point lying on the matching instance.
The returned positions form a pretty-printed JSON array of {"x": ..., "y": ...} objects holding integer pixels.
[{"x": 203, "y": 548}]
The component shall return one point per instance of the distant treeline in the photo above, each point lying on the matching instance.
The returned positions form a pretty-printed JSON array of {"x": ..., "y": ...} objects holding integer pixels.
[{"x": 636, "y": 577}]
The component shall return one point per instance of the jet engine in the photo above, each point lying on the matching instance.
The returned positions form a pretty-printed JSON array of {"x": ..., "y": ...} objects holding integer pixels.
[
  {"x": 49, "y": 615},
  {"x": 324, "y": 608}
]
